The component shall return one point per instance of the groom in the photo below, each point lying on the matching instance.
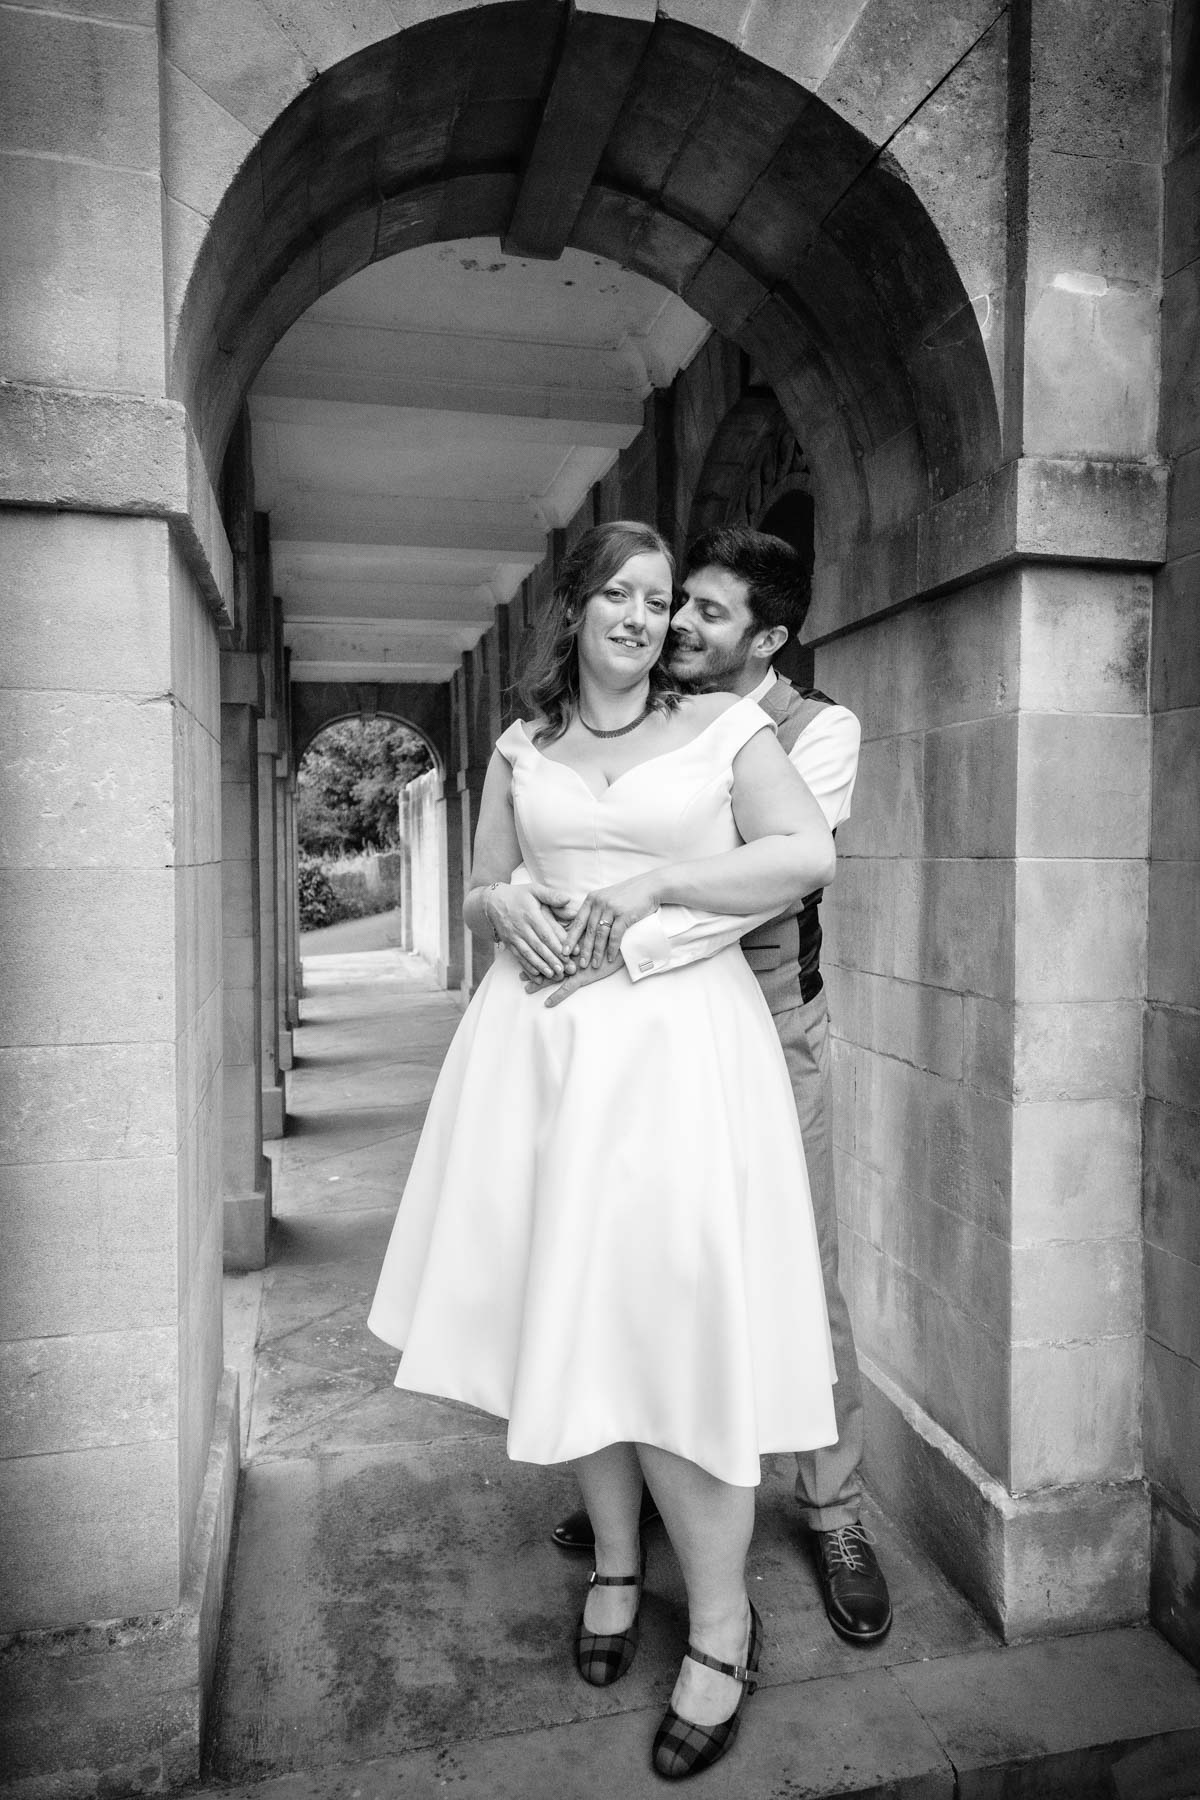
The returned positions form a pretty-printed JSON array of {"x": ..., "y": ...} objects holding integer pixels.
[{"x": 745, "y": 594}]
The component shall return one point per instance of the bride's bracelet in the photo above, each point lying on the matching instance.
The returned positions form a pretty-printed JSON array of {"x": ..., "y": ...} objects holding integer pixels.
[{"x": 488, "y": 891}]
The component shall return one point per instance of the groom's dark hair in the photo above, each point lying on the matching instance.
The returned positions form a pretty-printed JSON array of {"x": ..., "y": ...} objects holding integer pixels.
[{"x": 778, "y": 584}]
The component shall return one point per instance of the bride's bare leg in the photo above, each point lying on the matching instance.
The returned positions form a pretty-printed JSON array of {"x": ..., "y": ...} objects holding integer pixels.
[
  {"x": 710, "y": 1524},
  {"x": 611, "y": 1483}
]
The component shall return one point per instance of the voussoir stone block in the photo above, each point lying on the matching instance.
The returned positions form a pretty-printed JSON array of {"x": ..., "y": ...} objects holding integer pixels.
[
  {"x": 238, "y": 55},
  {"x": 204, "y": 145}
]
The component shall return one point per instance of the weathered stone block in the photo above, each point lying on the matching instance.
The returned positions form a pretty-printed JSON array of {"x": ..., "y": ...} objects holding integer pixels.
[
  {"x": 1176, "y": 812},
  {"x": 916, "y": 1024},
  {"x": 966, "y": 1381},
  {"x": 1039, "y": 1564},
  {"x": 1080, "y": 930},
  {"x": 1172, "y": 1441},
  {"x": 1181, "y": 360},
  {"x": 1084, "y": 640},
  {"x": 1074, "y": 1292},
  {"x": 1077, "y": 1050},
  {"x": 56, "y": 1102},
  {"x": 1083, "y": 785},
  {"x": 197, "y": 791},
  {"x": 247, "y": 1230},
  {"x": 87, "y": 1247},
  {"x": 1173, "y": 1055},
  {"x": 58, "y": 990},
  {"x": 988, "y": 1045},
  {"x": 89, "y": 1534},
  {"x": 67, "y": 577},
  {"x": 970, "y": 788},
  {"x": 88, "y": 1392},
  {"x": 1075, "y": 1412},
  {"x": 1174, "y": 1574},
  {"x": 1076, "y": 1170},
  {"x": 954, "y": 924},
  {"x": 1174, "y": 931},
  {"x": 860, "y": 926},
  {"x": 73, "y": 88},
  {"x": 1181, "y": 227},
  {"x": 1175, "y": 668},
  {"x": 887, "y": 816},
  {"x": 968, "y": 1266},
  {"x": 200, "y": 1370},
  {"x": 1173, "y": 1302},
  {"x": 1183, "y": 513},
  {"x": 1172, "y": 1178},
  {"x": 89, "y": 780},
  {"x": 888, "y": 1306},
  {"x": 969, "y": 1139},
  {"x": 87, "y": 240},
  {"x": 241, "y": 58},
  {"x": 1090, "y": 361}
]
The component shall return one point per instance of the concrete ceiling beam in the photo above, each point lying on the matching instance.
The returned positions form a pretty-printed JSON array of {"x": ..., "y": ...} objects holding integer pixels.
[
  {"x": 596, "y": 68},
  {"x": 397, "y": 641},
  {"x": 355, "y": 672},
  {"x": 321, "y": 402},
  {"x": 358, "y": 602},
  {"x": 507, "y": 531}
]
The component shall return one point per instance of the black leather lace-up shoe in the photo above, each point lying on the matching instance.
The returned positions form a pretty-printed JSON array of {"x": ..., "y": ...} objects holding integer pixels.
[{"x": 852, "y": 1584}]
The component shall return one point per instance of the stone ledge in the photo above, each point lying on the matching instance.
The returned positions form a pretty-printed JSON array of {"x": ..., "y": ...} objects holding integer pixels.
[
  {"x": 1040, "y": 509},
  {"x": 121, "y": 1707},
  {"x": 1037, "y": 1565},
  {"x": 116, "y": 453}
]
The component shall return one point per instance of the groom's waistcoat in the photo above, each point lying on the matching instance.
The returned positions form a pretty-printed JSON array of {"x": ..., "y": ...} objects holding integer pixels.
[{"x": 793, "y": 936}]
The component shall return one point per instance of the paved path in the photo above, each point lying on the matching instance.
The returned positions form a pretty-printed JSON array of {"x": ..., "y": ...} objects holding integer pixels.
[{"x": 400, "y": 1625}]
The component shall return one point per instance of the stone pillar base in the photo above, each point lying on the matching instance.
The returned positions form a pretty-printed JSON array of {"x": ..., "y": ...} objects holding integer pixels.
[
  {"x": 286, "y": 1052},
  {"x": 120, "y": 1707},
  {"x": 274, "y": 1110},
  {"x": 247, "y": 1228},
  {"x": 1037, "y": 1565}
]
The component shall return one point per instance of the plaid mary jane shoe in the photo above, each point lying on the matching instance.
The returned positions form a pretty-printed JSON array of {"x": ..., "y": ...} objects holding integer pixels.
[
  {"x": 603, "y": 1657},
  {"x": 681, "y": 1748}
]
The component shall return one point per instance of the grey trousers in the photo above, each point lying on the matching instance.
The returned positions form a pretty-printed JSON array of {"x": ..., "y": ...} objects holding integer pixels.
[{"x": 828, "y": 1482}]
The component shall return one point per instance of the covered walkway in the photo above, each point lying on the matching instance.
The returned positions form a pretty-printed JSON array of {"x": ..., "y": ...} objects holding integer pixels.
[{"x": 398, "y": 1622}]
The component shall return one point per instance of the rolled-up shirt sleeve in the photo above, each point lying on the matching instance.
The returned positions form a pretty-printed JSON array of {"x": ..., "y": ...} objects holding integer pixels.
[{"x": 826, "y": 756}]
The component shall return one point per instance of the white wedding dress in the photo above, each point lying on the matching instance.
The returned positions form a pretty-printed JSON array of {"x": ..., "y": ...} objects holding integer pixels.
[{"x": 607, "y": 1234}]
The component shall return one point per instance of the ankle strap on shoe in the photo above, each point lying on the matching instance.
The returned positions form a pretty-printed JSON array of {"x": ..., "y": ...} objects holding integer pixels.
[{"x": 736, "y": 1670}]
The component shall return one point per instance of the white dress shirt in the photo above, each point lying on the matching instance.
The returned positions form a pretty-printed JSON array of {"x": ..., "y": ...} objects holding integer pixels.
[{"x": 826, "y": 755}]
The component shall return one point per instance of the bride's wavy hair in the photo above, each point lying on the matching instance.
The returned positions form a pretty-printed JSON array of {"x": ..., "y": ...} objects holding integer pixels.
[{"x": 550, "y": 682}]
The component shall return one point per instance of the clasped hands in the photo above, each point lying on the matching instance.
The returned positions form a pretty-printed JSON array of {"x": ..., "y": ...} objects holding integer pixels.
[{"x": 557, "y": 940}]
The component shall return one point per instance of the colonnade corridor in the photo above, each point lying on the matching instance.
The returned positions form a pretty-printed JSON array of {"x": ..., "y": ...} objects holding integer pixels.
[{"x": 397, "y": 1621}]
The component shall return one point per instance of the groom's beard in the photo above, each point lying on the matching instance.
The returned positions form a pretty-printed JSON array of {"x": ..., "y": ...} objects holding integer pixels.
[{"x": 710, "y": 671}]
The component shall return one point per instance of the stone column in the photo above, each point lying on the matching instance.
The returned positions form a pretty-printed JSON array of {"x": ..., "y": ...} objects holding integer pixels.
[
  {"x": 406, "y": 870},
  {"x": 285, "y": 909},
  {"x": 247, "y": 1174},
  {"x": 273, "y": 1106}
]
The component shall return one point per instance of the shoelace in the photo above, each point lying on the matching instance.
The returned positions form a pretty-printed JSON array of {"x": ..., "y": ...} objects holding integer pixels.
[{"x": 844, "y": 1548}]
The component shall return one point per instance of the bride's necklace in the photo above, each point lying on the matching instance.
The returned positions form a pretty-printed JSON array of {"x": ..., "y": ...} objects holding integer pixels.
[{"x": 621, "y": 729}]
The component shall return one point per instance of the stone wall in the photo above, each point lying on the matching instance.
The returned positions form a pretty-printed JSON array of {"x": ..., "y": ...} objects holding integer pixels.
[{"x": 1172, "y": 1049}]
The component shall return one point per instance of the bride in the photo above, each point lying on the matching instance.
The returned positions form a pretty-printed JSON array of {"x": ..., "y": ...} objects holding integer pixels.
[{"x": 606, "y": 1237}]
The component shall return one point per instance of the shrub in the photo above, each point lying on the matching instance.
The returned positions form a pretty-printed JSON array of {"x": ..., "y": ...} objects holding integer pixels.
[{"x": 319, "y": 905}]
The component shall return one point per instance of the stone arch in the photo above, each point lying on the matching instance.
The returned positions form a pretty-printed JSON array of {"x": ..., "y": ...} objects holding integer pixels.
[
  {"x": 422, "y": 708},
  {"x": 797, "y": 237}
]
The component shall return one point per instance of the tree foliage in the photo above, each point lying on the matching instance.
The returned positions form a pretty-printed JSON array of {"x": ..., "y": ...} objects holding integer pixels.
[{"x": 349, "y": 783}]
